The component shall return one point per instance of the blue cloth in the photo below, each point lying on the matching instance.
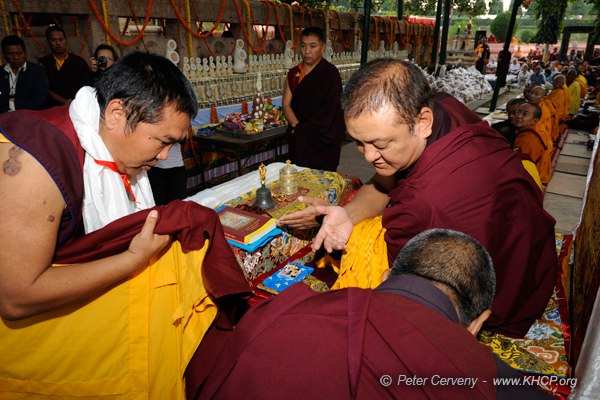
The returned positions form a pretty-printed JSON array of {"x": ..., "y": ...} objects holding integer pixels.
[{"x": 537, "y": 79}]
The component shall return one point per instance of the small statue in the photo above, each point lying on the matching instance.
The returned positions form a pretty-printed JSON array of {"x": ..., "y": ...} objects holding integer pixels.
[
  {"x": 239, "y": 58},
  {"x": 263, "y": 194},
  {"x": 262, "y": 172}
]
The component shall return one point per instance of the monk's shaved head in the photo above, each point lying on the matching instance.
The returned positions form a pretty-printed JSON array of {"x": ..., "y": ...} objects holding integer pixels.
[
  {"x": 536, "y": 111},
  {"x": 559, "y": 80},
  {"x": 457, "y": 264},
  {"x": 386, "y": 83}
]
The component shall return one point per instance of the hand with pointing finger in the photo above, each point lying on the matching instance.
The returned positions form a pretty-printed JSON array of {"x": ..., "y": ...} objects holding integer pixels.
[{"x": 335, "y": 230}]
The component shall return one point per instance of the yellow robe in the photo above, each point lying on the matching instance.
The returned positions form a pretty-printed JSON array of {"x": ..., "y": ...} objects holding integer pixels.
[
  {"x": 560, "y": 99},
  {"x": 133, "y": 342},
  {"x": 547, "y": 123},
  {"x": 583, "y": 86},
  {"x": 365, "y": 258},
  {"x": 530, "y": 143},
  {"x": 575, "y": 99},
  {"x": 533, "y": 171},
  {"x": 546, "y": 128}
]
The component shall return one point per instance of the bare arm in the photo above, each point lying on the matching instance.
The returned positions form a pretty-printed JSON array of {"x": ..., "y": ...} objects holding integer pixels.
[
  {"x": 286, "y": 103},
  {"x": 31, "y": 211},
  {"x": 370, "y": 201}
]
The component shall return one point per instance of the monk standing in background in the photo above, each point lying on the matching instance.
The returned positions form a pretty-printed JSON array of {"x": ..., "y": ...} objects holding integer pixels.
[
  {"x": 67, "y": 72},
  {"x": 311, "y": 104},
  {"x": 482, "y": 55}
]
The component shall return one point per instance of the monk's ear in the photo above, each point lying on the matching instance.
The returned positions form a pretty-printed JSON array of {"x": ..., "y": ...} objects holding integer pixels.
[
  {"x": 475, "y": 326},
  {"x": 424, "y": 123},
  {"x": 115, "y": 116}
]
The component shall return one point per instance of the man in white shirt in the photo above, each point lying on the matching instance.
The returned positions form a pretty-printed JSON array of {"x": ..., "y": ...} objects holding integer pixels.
[
  {"x": 23, "y": 85},
  {"x": 514, "y": 67}
]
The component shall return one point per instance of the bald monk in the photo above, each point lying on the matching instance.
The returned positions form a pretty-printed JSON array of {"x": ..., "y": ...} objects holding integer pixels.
[
  {"x": 559, "y": 97},
  {"x": 547, "y": 126},
  {"x": 507, "y": 128},
  {"x": 345, "y": 344},
  {"x": 530, "y": 142},
  {"x": 574, "y": 92}
]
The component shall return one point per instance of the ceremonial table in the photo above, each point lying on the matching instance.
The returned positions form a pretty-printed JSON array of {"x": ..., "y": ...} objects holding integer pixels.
[
  {"x": 239, "y": 144},
  {"x": 337, "y": 189}
]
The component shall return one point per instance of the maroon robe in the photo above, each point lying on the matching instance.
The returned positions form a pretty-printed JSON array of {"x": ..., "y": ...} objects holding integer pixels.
[
  {"x": 72, "y": 76},
  {"x": 339, "y": 344},
  {"x": 470, "y": 180},
  {"x": 188, "y": 222},
  {"x": 49, "y": 136},
  {"x": 317, "y": 139}
]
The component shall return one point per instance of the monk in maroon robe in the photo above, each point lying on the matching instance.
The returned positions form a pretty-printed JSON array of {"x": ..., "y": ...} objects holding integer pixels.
[
  {"x": 438, "y": 166},
  {"x": 402, "y": 340},
  {"x": 311, "y": 104}
]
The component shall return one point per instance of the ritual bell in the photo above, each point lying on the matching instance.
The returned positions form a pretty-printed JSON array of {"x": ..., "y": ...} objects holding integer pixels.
[
  {"x": 263, "y": 198},
  {"x": 263, "y": 194}
]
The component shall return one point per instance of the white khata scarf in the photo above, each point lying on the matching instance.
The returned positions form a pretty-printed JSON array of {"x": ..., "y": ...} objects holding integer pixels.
[{"x": 108, "y": 195}]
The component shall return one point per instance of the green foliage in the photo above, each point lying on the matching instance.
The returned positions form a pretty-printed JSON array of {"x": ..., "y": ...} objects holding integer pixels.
[
  {"x": 499, "y": 26},
  {"x": 596, "y": 33},
  {"x": 470, "y": 8},
  {"x": 526, "y": 35},
  {"x": 496, "y": 7},
  {"x": 312, "y": 3},
  {"x": 455, "y": 27},
  {"x": 550, "y": 15},
  {"x": 579, "y": 7}
]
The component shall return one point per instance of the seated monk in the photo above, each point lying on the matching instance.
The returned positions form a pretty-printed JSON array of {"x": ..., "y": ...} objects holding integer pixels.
[
  {"x": 529, "y": 142},
  {"x": 507, "y": 128},
  {"x": 547, "y": 125},
  {"x": 96, "y": 299},
  {"x": 364, "y": 343},
  {"x": 437, "y": 165},
  {"x": 583, "y": 84},
  {"x": 574, "y": 92},
  {"x": 559, "y": 96}
]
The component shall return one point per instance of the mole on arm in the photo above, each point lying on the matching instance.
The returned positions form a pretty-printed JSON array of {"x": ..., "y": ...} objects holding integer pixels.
[{"x": 12, "y": 166}]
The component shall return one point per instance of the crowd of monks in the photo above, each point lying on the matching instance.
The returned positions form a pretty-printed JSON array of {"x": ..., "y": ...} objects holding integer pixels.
[{"x": 536, "y": 131}]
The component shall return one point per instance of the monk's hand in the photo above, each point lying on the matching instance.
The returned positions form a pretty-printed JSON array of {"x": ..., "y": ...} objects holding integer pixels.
[
  {"x": 335, "y": 230},
  {"x": 307, "y": 218},
  {"x": 147, "y": 244}
]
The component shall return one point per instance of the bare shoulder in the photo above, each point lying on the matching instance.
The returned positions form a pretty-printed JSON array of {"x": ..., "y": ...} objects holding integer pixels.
[{"x": 30, "y": 211}]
